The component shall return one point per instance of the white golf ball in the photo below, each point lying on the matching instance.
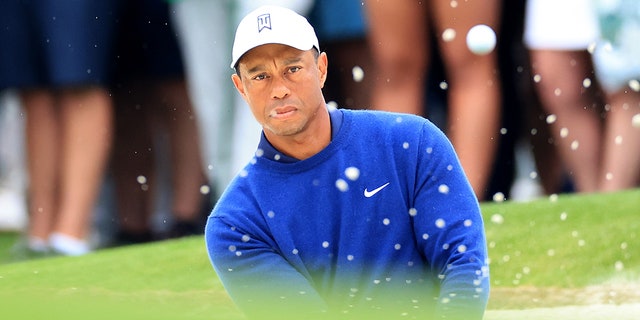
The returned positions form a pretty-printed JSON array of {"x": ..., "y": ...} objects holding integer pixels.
[{"x": 481, "y": 39}]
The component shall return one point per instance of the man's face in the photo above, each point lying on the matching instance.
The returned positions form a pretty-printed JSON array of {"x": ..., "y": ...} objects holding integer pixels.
[{"x": 283, "y": 87}]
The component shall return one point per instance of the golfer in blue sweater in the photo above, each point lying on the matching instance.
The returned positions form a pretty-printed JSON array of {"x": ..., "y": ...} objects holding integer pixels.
[{"x": 341, "y": 214}]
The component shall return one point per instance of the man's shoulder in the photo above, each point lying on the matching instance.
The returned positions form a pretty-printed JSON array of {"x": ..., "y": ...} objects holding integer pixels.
[
  {"x": 389, "y": 122},
  {"x": 365, "y": 115}
]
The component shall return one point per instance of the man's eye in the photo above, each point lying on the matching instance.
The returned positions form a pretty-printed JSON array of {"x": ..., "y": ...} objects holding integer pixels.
[
  {"x": 294, "y": 69},
  {"x": 260, "y": 77}
]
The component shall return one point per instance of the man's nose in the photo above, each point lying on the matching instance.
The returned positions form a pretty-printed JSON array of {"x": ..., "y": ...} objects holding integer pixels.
[{"x": 279, "y": 89}]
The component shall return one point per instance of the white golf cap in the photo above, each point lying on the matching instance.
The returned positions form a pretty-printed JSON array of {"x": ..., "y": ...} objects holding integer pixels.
[{"x": 271, "y": 24}]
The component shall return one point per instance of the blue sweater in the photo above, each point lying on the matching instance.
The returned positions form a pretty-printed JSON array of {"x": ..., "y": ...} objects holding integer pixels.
[{"x": 382, "y": 220}]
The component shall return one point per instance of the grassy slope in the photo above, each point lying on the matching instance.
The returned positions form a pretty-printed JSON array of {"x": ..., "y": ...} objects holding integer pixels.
[
  {"x": 7, "y": 240},
  {"x": 163, "y": 280},
  {"x": 575, "y": 241}
]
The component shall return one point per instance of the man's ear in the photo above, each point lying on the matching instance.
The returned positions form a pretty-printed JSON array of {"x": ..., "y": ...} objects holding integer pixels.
[
  {"x": 237, "y": 82},
  {"x": 323, "y": 64}
]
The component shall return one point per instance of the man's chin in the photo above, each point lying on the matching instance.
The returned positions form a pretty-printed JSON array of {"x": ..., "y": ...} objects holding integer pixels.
[{"x": 280, "y": 129}]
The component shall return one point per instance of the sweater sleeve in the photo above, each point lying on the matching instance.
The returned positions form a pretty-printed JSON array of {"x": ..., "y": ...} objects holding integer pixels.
[
  {"x": 257, "y": 277},
  {"x": 449, "y": 229}
]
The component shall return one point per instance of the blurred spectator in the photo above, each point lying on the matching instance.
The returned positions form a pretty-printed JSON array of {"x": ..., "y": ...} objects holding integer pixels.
[
  {"x": 205, "y": 30},
  {"x": 13, "y": 206},
  {"x": 617, "y": 64},
  {"x": 399, "y": 32},
  {"x": 514, "y": 164},
  {"x": 156, "y": 126},
  {"x": 558, "y": 34},
  {"x": 342, "y": 31},
  {"x": 599, "y": 146},
  {"x": 204, "y": 35},
  {"x": 56, "y": 55}
]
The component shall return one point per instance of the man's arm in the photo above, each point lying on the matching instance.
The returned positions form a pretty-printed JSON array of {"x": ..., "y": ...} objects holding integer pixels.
[
  {"x": 258, "y": 279},
  {"x": 450, "y": 231}
]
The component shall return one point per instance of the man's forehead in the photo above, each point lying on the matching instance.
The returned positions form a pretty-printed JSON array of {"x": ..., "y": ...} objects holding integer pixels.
[{"x": 271, "y": 51}]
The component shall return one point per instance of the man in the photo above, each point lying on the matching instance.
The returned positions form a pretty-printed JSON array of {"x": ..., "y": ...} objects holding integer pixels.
[{"x": 341, "y": 213}]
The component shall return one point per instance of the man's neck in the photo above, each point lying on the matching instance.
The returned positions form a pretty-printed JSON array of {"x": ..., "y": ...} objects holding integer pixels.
[{"x": 308, "y": 143}]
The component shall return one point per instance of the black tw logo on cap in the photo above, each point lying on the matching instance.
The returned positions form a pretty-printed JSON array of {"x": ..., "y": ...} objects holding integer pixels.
[{"x": 264, "y": 22}]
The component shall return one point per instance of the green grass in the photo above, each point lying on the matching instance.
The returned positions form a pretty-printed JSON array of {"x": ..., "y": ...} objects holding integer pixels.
[
  {"x": 163, "y": 280},
  {"x": 572, "y": 242},
  {"x": 7, "y": 240}
]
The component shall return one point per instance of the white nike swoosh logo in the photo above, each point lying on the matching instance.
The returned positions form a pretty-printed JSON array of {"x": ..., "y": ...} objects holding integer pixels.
[{"x": 370, "y": 194}]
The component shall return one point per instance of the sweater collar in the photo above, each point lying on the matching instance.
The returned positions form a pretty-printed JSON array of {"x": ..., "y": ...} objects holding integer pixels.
[{"x": 269, "y": 152}]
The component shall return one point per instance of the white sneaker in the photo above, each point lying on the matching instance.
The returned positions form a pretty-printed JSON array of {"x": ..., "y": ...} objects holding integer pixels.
[
  {"x": 13, "y": 211},
  {"x": 67, "y": 245}
]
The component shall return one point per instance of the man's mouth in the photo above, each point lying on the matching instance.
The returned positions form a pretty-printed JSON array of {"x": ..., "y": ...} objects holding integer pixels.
[{"x": 283, "y": 112}]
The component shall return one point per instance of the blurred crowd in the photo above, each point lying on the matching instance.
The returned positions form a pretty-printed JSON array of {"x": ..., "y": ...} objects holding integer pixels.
[{"x": 119, "y": 123}]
